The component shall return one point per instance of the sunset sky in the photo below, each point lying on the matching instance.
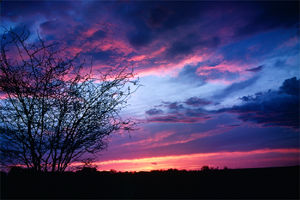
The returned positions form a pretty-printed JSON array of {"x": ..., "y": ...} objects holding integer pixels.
[{"x": 220, "y": 80}]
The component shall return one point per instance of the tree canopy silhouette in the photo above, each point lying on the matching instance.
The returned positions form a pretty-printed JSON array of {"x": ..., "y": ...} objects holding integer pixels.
[{"x": 51, "y": 112}]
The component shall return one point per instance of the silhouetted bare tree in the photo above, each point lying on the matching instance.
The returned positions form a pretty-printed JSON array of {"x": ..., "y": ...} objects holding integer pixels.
[{"x": 51, "y": 113}]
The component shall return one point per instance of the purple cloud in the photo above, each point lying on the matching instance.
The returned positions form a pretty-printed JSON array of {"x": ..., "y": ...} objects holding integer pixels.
[
  {"x": 195, "y": 101},
  {"x": 154, "y": 111},
  {"x": 272, "y": 108},
  {"x": 255, "y": 69}
]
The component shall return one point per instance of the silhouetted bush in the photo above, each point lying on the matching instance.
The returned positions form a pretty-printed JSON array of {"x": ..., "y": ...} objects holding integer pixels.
[
  {"x": 205, "y": 168},
  {"x": 87, "y": 170},
  {"x": 15, "y": 170},
  {"x": 271, "y": 183}
]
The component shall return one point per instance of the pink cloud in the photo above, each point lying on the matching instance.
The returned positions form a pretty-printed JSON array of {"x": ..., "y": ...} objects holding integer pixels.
[
  {"x": 3, "y": 96},
  {"x": 237, "y": 68},
  {"x": 147, "y": 56},
  {"x": 194, "y": 136},
  {"x": 152, "y": 139},
  {"x": 223, "y": 67},
  {"x": 157, "y": 139},
  {"x": 167, "y": 67}
]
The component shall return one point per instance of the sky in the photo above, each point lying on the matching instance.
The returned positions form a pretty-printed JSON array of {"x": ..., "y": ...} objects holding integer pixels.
[{"x": 220, "y": 80}]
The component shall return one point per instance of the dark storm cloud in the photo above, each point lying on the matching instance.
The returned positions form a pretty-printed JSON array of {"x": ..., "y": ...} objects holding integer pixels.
[
  {"x": 183, "y": 47},
  {"x": 15, "y": 10},
  {"x": 272, "y": 108},
  {"x": 189, "y": 43},
  {"x": 161, "y": 16},
  {"x": 271, "y": 15},
  {"x": 153, "y": 18},
  {"x": 63, "y": 31},
  {"x": 183, "y": 28},
  {"x": 150, "y": 19},
  {"x": 291, "y": 86},
  {"x": 177, "y": 13},
  {"x": 140, "y": 38}
]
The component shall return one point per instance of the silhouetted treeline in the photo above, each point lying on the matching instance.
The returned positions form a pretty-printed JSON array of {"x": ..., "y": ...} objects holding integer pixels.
[{"x": 272, "y": 183}]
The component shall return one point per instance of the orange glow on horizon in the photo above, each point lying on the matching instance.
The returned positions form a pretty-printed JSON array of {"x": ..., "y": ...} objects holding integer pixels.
[{"x": 235, "y": 159}]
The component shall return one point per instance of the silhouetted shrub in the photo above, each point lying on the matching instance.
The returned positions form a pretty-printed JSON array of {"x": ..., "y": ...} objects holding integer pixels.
[
  {"x": 15, "y": 170},
  {"x": 3, "y": 174},
  {"x": 113, "y": 171},
  {"x": 87, "y": 170},
  {"x": 205, "y": 168},
  {"x": 233, "y": 184}
]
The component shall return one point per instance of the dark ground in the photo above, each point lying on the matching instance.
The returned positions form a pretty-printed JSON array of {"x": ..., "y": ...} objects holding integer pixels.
[{"x": 270, "y": 183}]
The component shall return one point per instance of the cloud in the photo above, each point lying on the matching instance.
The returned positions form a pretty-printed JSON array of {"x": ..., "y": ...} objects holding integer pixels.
[
  {"x": 175, "y": 137},
  {"x": 16, "y": 10},
  {"x": 272, "y": 108},
  {"x": 186, "y": 138},
  {"x": 152, "y": 139},
  {"x": 195, "y": 101},
  {"x": 178, "y": 118},
  {"x": 188, "y": 75},
  {"x": 146, "y": 28},
  {"x": 255, "y": 69},
  {"x": 161, "y": 16},
  {"x": 174, "y": 105},
  {"x": 99, "y": 34},
  {"x": 50, "y": 25},
  {"x": 235, "y": 87},
  {"x": 154, "y": 111},
  {"x": 271, "y": 15},
  {"x": 99, "y": 55},
  {"x": 139, "y": 38},
  {"x": 249, "y": 50},
  {"x": 176, "y": 112},
  {"x": 189, "y": 43},
  {"x": 291, "y": 86},
  {"x": 150, "y": 20}
]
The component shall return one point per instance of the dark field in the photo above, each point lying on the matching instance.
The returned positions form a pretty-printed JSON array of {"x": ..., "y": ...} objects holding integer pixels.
[{"x": 271, "y": 183}]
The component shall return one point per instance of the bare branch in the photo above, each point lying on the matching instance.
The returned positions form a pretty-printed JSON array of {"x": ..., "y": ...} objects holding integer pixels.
[{"x": 53, "y": 113}]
